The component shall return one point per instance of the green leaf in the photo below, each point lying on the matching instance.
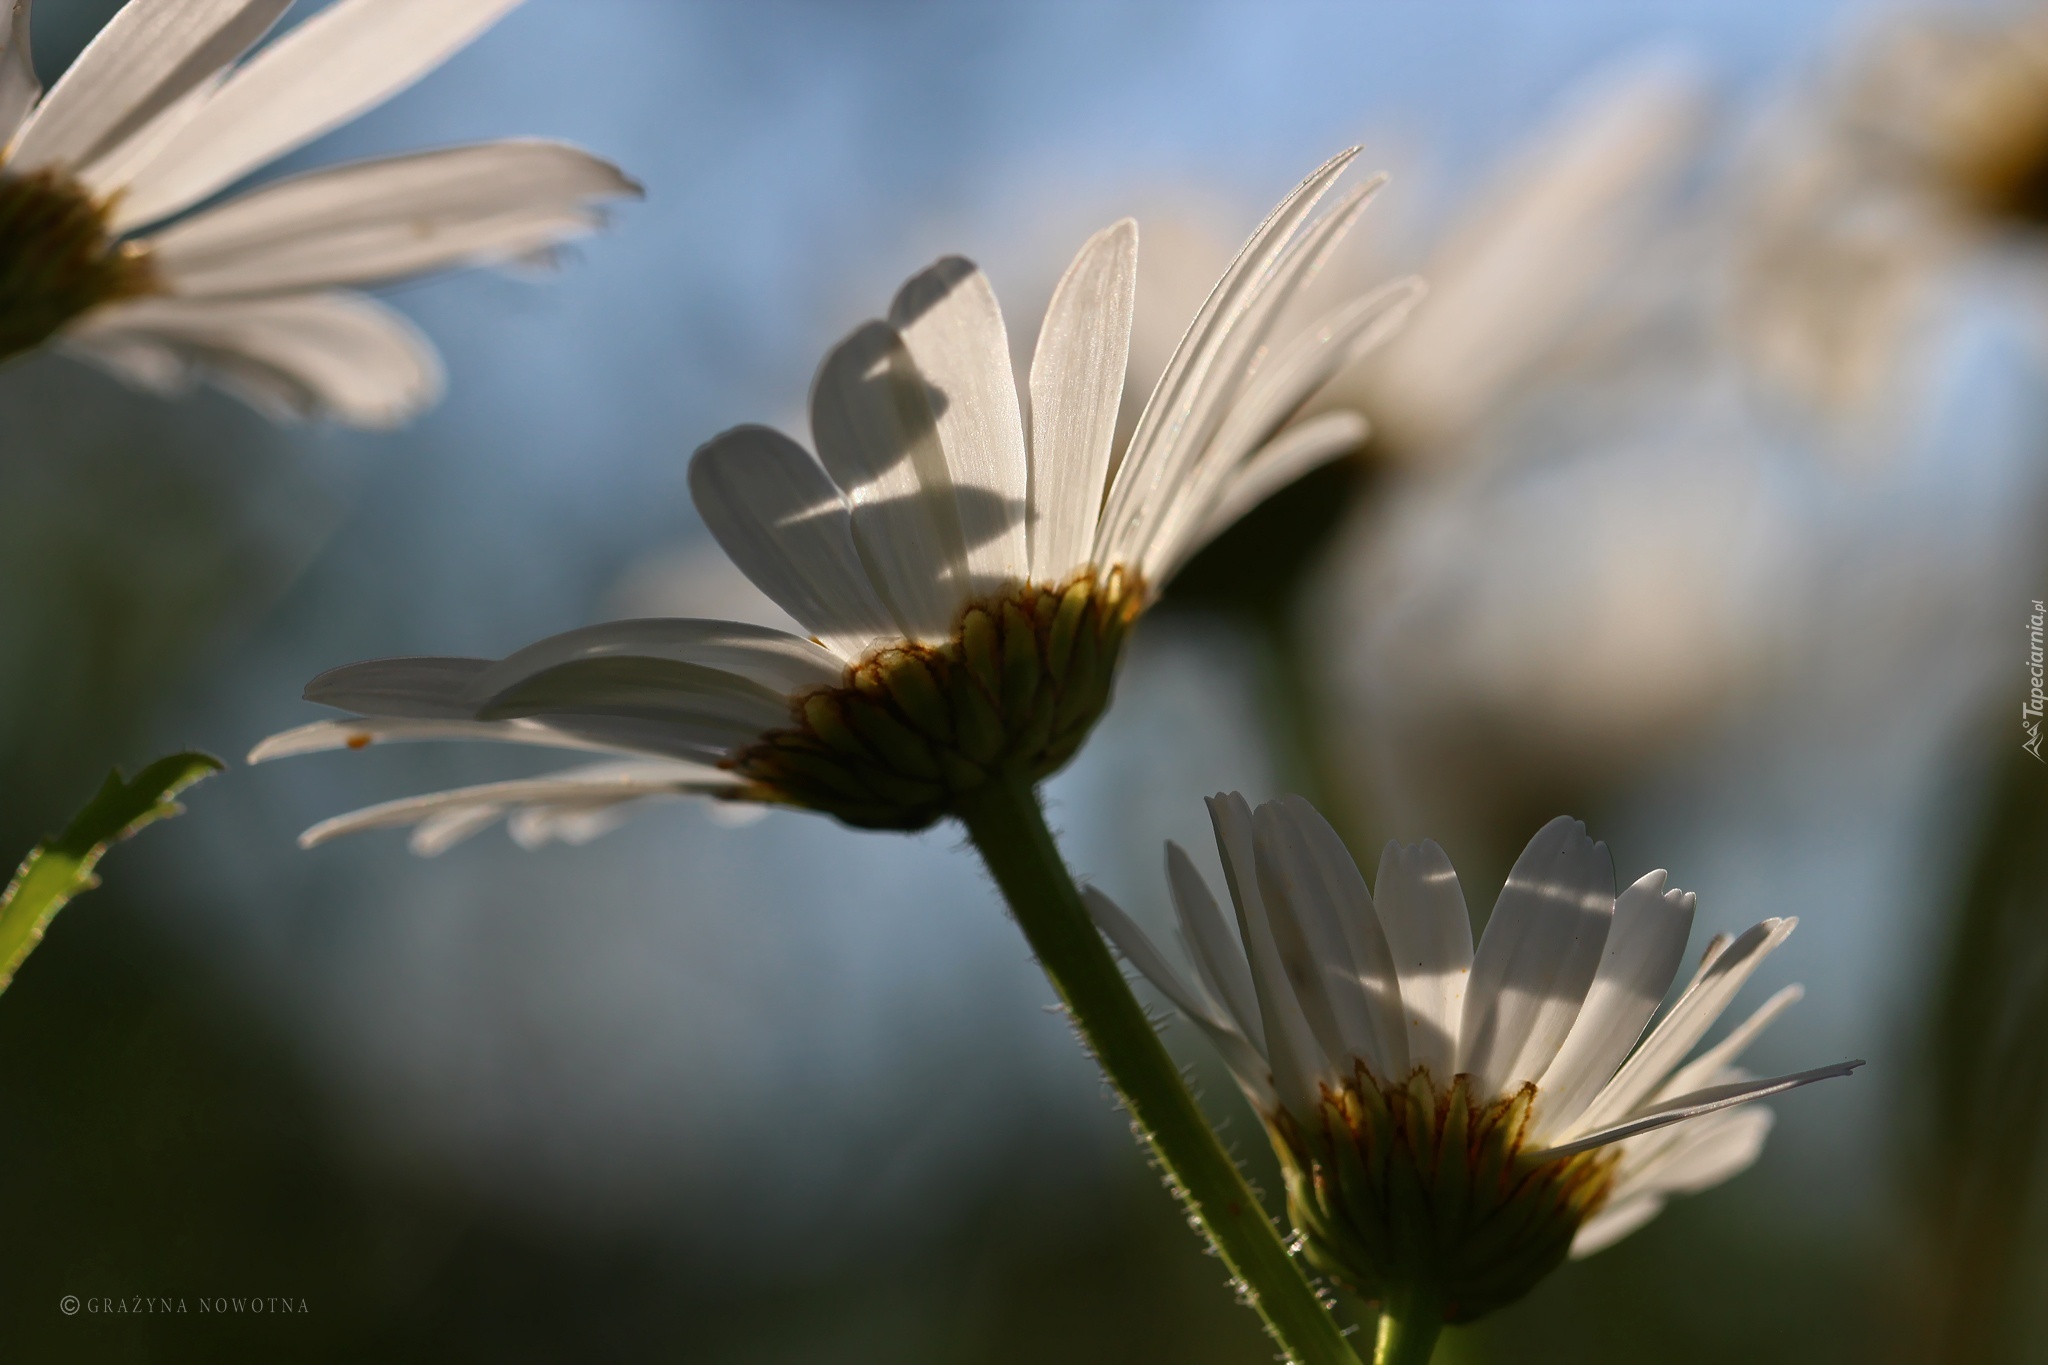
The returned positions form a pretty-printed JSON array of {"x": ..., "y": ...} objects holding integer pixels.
[{"x": 61, "y": 868}]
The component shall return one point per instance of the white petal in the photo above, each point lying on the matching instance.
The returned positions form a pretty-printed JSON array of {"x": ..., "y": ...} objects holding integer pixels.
[
  {"x": 148, "y": 57},
  {"x": 1537, "y": 958},
  {"x": 1721, "y": 976},
  {"x": 1273, "y": 395},
  {"x": 1296, "y": 451},
  {"x": 949, "y": 321},
  {"x": 385, "y": 219},
  {"x": 775, "y": 662},
  {"x": 1708, "y": 1066},
  {"x": 1299, "y": 1066},
  {"x": 104, "y": 175},
  {"x": 1176, "y": 465},
  {"x": 1613, "y": 1223},
  {"x": 1691, "y": 1157},
  {"x": 436, "y": 833},
  {"x": 1329, "y": 938},
  {"x": 1191, "y": 1000},
  {"x": 1680, "y": 1108},
  {"x": 18, "y": 84},
  {"x": 450, "y": 816},
  {"x": 1545, "y": 235},
  {"x": 1429, "y": 933},
  {"x": 533, "y": 826},
  {"x": 1643, "y": 950},
  {"x": 1077, "y": 384},
  {"x": 879, "y": 441},
  {"x": 786, "y": 525},
  {"x": 1137, "y": 948},
  {"x": 346, "y": 59},
  {"x": 1138, "y": 480},
  {"x": 680, "y": 688},
  {"x": 424, "y": 687},
  {"x": 1212, "y": 942},
  {"x": 333, "y": 355},
  {"x": 359, "y": 732}
]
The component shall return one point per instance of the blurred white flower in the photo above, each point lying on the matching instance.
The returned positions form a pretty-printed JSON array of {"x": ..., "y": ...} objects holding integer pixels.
[
  {"x": 966, "y": 590},
  {"x": 159, "y": 113},
  {"x": 1453, "y": 1123},
  {"x": 1582, "y": 556},
  {"x": 1860, "y": 195},
  {"x": 1539, "y": 265}
]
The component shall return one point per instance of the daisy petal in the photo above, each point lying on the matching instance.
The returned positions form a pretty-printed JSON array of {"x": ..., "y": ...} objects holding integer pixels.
[
  {"x": 879, "y": 441},
  {"x": 1720, "y": 977},
  {"x": 773, "y": 662},
  {"x": 1273, "y": 395},
  {"x": 434, "y": 835},
  {"x": 299, "y": 356},
  {"x": 1211, "y": 940},
  {"x": 18, "y": 84},
  {"x": 1185, "y": 458},
  {"x": 950, "y": 323},
  {"x": 786, "y": 525},
  {"x": 446, "y": 818},
  {"x": 1137, "y": 948},
  {"x": 1296, "y": 451},
  {"x": 1422, "y": 910},
  {"x": 106, "y": 174},
  {"x": 423, "y": 687},
  {"x": 1077, "y": 384},
  {"x": 1613, "y": 1223},
  {"x": 1239, "y": 1055},
  {"x": 1643, "y": 951},
  {"x": 1537, "y": 958},
  {"x": 1697, "y": 1155},
  {"x": 148, "y": 57},
  {"x": 1693, "y": 1105},
  {"x": 385, "y": 219},
  {"x": 350, "y": 57},
  {"x": 1329, "y": 937},
  {"x": 1146, "y": 471},
  {"x": 359, "y": 732},
  {"x": 1297, "y": 1060},
  {"x": 1709, "y": 1065},
  {"x": 533, "y": 826}
]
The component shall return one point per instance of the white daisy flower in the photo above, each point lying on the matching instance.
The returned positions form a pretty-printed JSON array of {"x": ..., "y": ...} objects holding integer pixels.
[
  {"x": 160, "y": 112},
  {"x": 966, "y": 583},
  {"x": 1453, "y": 1123}
]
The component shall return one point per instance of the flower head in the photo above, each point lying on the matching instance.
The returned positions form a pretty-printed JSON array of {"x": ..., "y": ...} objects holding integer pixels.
[
  {"x": 160, "y": 112},
  {"x": 1453, "y": 1123},
  {"x": 966, "y": 582}
]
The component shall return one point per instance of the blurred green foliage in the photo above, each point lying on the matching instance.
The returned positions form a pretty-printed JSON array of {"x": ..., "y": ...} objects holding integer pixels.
[{"x": 1976, "y": 1156}]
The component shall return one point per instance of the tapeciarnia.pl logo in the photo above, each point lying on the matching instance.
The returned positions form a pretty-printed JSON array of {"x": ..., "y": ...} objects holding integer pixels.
[{"x": 2037, "y": 697}]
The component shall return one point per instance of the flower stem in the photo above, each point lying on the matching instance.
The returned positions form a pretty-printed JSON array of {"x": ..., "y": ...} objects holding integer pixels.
[
  {"x": 1408, "y": 1333},
  {"x": 1004, "y": 820}
]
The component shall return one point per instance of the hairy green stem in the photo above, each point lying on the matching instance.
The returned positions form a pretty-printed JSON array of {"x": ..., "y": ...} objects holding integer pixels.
[{"x": 1004, "y": 820}]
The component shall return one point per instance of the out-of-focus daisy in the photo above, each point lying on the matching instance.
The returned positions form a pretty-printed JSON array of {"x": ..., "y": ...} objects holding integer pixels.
[
  {"x": 1454, "y": 1123},
  {"x": 1931, "y": 143},
  {"x": 160, "y": 113},
  {"x": 966, "y": 586}
]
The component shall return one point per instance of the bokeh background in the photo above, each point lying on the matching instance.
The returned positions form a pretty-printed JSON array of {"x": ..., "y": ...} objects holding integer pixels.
[{"x": 1704, "y": 503}]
